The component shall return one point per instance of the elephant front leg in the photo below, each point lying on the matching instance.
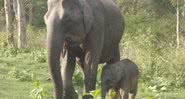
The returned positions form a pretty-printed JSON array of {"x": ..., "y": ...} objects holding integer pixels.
[
  {"x": 68, "y": 67},
  {"x": 90, "y": 73}
]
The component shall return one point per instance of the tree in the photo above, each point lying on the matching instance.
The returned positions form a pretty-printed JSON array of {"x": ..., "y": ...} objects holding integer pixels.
[
  {"x": 15, "y": 8},
  {"x": 177, "y": 25},
  {"x": 22, "y": 36},
  {"x": 9, "y": 13},
  {"x": 29, "y": 11},
  {"x": 179, "y": 4}
]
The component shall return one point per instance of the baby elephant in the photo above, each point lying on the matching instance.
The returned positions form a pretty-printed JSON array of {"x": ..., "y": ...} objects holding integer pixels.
[{"x": 121, "y": 76}]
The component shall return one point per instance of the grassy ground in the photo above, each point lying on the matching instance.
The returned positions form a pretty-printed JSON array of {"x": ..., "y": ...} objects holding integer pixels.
[{"x": 20, "y": 70}]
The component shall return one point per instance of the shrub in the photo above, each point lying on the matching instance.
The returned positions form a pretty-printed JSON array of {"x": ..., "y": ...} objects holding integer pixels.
[
  {"x": 24, "y": 75},
  {"x": 161, "y": 65},
  {"x": 78, "y": 77},
  {"x": 39, "y": 55},
  {"x": 39, "y": 92}
]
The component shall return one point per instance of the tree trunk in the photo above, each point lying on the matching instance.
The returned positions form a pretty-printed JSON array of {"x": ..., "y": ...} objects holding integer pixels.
[
  {"x": 178, "y": 25},
  {"x": 9, "y": 13},
  {"x": 22, "y": 37},
  {"x": 30, "y": 8},
  {"x": 15, "y": 8}
]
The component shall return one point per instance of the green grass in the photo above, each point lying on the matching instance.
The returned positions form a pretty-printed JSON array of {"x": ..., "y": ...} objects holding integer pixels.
[
  {"x": 13, "y": 88},
  {"x": 144, "y": 92}
]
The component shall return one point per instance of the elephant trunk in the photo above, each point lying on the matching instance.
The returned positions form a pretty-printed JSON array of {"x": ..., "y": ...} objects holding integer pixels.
[{"x": 55, "y": 47}]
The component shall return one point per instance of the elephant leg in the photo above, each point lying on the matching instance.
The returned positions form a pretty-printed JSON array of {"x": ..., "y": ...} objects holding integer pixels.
[
  {"x": 125, "y": 89},
  {"x": 90, "y": 73},
  {"x": 68, "y": 67},
  {"x": 118, "y": 95},
  {"x": 134, "y": 94},
  {"x": 116, "y": 55},
  {"x": 126, "y": 95},
  {"x": 92, "y": 46},
  {"x": 134, "y": 88}
]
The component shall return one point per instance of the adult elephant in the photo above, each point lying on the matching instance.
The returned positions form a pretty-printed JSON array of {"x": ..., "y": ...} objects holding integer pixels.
[{"x": 88, "y": 29}]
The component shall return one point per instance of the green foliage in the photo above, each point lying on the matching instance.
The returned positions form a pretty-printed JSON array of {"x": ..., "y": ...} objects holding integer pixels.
[
  {"x": 98, "y": 83},
  {"x": 158, "y": 84},
  {"x": 95, "y": 93},
  {"x": 3, "y": 39},
  {"x": 1, "y": 3},
  {"x": 40, "y": 8},
  {"x": 78, "y": 77},
  {"x": 24, "y": 75},
  {"x": 175, "y": 71},
  {"x": 162, "y": 7},
  {"x": 149, "y": 41},
  {"x": 165, "y": 76},
  {"x": 112, "y": 93},
  {"x": 36, "y": 37},
  {"x": 12, "y": 52},
  {"x": 39, "y": 92},
  {"x": 39, "y": 55}
]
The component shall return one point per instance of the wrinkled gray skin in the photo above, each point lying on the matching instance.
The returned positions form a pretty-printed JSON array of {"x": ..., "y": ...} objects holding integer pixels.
[
  {"x": 83, "y": 29},
  {"x": 122, "y": 77}
]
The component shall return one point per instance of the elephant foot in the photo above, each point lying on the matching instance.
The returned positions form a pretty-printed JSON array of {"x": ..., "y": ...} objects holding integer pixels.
[
  {"x": 87, "y": 97},
  {"x": 57, "y": 95},
  {"x": 72, "y": 95}
]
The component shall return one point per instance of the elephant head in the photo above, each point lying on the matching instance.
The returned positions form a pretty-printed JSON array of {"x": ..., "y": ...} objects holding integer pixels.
[{"x": 65, "y": 20}]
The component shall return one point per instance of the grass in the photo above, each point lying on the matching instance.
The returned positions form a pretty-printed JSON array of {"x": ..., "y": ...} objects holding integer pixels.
[
  {"x": 14, "y": 88},
  {"x": 144, "y": 93}
]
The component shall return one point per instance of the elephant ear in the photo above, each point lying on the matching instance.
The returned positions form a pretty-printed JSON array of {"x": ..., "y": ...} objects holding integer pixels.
[{"x": 87, "y": 15}]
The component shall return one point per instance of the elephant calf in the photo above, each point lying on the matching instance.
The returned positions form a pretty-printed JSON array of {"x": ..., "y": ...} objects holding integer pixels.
[{"x": 121, "y": 76}]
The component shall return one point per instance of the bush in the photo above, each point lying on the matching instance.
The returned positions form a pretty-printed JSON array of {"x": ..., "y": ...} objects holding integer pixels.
[
  {"x": 78, "y": 77},
  {"x": 3, "y": 39},
  {"x": 24, "y": 75},
  {"x": 147, "y": 42},
  {"x": 158, "y": 84},
  {"x": 36, "y": 37},
  {"x": 39, "y": 55},
  {"x": 39, "y": 92}
]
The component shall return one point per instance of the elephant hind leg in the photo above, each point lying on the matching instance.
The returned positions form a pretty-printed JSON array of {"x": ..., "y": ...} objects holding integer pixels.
[
  {"x": 115, "y": 56},
  {"x": 118, "y": 94},
  {"x": 125, "y": 88},
  {"x": 134, "y": 88}
]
